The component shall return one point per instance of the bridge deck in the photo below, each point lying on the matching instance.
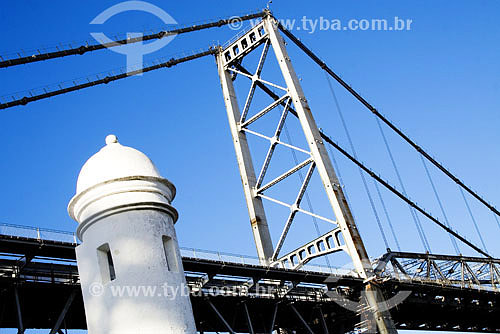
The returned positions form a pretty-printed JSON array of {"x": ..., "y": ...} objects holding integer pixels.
[{"x": 46, "y": 281}]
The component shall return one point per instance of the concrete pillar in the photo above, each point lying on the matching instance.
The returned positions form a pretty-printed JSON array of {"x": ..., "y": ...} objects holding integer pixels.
[{"x": 129, "y": 261}]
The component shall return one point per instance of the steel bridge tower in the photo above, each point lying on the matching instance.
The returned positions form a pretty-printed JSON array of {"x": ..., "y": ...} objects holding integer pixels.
[{"x": 294, "y": 101}]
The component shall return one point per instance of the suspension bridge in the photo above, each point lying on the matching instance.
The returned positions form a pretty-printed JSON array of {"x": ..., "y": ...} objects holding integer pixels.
[{"x": 278, "y": 290}]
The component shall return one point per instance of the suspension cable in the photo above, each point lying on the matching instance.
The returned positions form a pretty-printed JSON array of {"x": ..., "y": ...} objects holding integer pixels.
[
  {"x": 351, "y": 144},
  {"x": 389, "y": 220},
  {"x": 496, "y": 219},
  {"x": 273, "y": 95},
  {"x": 172, "y": 62},
  {"x": 372, "y": 174},
  {"x": 416, "y": 219},
  {"x": 162, "y": 34},
  {"x": 473, "y": 219},
  {"x": 452, "y": 239},
  {"x": 339, "y": 174},
  {"x": 325, "y": 67},
  {"x": 400, "y": 195},
  {"x": 341, "y": 179}
]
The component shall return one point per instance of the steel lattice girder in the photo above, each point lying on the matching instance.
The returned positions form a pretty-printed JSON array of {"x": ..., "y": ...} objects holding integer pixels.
[
  {"x": 431, "y": 305},
  {"x": 446, "y": 307},
  {"x": 459, "y": 271},
  {"x": 230, "y": 62}
]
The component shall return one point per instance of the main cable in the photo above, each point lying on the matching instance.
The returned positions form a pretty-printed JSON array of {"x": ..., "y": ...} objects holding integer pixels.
[
  {"x": 325, "y": 67},
  {"x": 159, "y": 35},
  {"x": 400, "y": 195},
  {"x": 171, "y": 62},
  {"x": 371, "y": 173}
]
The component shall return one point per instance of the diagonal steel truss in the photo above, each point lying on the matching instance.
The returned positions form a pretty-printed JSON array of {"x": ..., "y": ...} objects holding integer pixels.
[
  {"x": 293, "y": 101},
  {"x": 325, "y": 244},
  {"x": 449, "y": 270},
  {"x": 229, "y": 60}
]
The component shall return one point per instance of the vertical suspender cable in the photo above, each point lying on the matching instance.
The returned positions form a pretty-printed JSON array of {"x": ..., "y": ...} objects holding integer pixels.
[
  {"x": 416, "y": 220},
  {"x": 401, "y": 196},
  {"x": 341, "y": 179},
  {"x": 372, "y": 203},
  {"x": 473, "y": 220},
  {"x": 339, "y": 173},
  {"x": 496, "y": 219},
  {"x": 453, "y": 241},
  {"x": 389, "y": 220}
]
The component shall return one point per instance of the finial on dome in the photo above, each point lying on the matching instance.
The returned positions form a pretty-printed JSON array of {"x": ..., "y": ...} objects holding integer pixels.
[{"x": 111, "y": 139}]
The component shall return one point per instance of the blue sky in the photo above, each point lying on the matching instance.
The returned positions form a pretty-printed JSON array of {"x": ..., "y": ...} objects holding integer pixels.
[{"x": 439, "y": 82}]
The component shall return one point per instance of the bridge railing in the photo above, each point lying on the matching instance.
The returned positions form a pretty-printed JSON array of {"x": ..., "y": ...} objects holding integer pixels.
[
  {"x": 69, "y": 237},
  {"x": 38, "y": 233},
  {"x": 254, "y": 260}
]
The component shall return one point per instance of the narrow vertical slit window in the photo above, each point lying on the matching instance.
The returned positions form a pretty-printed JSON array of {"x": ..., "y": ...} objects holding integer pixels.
[
  {"x": 106, "y": 265},
  {"x": 170, "y": 254},
  {"x": 111, "y": 266}
]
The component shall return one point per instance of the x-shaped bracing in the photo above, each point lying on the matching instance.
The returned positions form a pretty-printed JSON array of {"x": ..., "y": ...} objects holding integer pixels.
[{"x": 299, "y": 256}]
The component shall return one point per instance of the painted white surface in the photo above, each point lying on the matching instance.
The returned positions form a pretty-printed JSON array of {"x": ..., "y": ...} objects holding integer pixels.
[
  {"x": 122, "y": 201},
  {"x": 114, "y": 161}
]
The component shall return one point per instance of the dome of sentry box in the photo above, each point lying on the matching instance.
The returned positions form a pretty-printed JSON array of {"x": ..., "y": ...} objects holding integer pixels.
[
  {"x": 114, "y": 161},
  {"x": 115, "y": 177}
]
